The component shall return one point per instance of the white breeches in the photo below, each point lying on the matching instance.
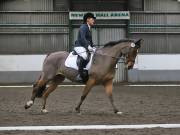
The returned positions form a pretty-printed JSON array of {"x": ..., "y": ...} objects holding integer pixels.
[{"x": 81, "y": 51}]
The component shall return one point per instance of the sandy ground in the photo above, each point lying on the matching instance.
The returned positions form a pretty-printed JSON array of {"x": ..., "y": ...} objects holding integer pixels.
[{"x": 140, "y": 105}]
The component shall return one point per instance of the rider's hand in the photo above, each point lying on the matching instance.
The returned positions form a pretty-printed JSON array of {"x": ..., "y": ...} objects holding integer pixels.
[
  {"x": 94, "y": 49},
  {"x": 90, "y": 48}
]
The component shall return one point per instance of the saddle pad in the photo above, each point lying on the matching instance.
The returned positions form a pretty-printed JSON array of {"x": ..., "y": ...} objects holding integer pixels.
[{"x": 71, "y": 61}]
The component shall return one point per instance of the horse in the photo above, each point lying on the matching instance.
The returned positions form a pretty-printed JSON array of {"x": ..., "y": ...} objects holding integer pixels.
[{"x": 102, "y": 71}]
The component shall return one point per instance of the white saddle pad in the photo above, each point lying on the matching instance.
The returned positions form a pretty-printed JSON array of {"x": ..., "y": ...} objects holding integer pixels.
[{"x": 71, "y": 61}]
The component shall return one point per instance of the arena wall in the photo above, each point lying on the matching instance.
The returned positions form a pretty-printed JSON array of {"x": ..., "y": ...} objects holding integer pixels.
[
  {"x": 155, "y": 68},
  {"x": 31, "y": 27}
]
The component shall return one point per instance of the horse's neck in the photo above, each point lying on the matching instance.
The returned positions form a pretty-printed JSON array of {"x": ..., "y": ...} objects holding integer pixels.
[
  {"x": 114, "y": 51},
  {"x": 111, "y": 54}
]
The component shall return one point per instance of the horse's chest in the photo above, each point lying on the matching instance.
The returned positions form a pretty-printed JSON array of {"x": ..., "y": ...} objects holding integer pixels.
[
  {"x": 109, "y": 76},
  {"x": 105, "y": 77}
]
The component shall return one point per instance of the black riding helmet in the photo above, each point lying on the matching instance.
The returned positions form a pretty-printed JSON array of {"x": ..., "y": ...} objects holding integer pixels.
[{"x": 88, "y": 15}]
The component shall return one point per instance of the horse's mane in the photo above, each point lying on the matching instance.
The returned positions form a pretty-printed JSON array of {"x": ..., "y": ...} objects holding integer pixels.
[{"x": 113, "y": 43}]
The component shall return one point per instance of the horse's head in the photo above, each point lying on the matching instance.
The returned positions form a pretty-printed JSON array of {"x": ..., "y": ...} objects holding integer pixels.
[{"x": 130, "y": 53}]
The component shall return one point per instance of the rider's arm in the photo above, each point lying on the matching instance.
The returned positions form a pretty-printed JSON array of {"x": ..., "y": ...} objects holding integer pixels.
[{"x": 83, "y": 31}]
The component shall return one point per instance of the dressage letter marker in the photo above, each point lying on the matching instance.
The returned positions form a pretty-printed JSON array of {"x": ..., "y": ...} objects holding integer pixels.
[{"x": 87, "y": 127}]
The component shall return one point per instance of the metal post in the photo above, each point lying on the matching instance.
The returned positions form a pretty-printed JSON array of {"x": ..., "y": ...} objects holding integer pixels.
[{"x": 70, "y": 36}]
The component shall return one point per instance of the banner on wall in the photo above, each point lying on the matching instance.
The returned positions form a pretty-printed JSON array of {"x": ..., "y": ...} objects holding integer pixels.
[{"x": 102, "y": 15}]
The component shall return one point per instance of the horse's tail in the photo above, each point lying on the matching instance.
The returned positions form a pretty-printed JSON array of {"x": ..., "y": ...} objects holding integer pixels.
[
  {"x": 40, "y": 89},
  {"x": 46, "y": 57}
]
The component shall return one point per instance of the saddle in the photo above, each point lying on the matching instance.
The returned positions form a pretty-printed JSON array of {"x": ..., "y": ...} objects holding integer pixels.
[
  {"x": 79, "y": 58},
  {"x": 73, "y": 60}
]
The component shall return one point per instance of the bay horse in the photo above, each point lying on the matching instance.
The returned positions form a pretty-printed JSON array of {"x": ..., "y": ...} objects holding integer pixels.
[{"x": 102, "y": 71}]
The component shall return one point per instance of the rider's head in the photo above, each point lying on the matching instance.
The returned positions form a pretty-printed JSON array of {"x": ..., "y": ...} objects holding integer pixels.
[{"x": 89, "y": 18}]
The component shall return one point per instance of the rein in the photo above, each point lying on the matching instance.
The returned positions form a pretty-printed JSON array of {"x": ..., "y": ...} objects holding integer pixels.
[
  {"x": 109, "y": 56},
  {"x": 120, "y": 57}
]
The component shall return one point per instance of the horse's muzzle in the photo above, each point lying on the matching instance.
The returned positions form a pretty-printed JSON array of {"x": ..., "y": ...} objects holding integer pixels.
[{"x": 130, "y": 65}]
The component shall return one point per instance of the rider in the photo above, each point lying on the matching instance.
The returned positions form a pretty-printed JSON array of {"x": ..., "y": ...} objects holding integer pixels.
[{"x": 83, "y": 44}]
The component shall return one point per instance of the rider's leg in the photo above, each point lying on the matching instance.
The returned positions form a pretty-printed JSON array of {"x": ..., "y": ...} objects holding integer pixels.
[
  {"x": 81, "y": 51},
  {"x": 81, "y": 65},
  {"x": 83, "y": 56}
]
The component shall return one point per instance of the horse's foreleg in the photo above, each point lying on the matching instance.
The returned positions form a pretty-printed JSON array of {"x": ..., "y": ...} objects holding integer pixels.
[
  {"x": 90, "y": 83},
  {"x": 109, "y": 87}
]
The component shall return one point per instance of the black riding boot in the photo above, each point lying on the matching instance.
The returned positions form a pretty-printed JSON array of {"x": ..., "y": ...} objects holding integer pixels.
[{"x": 83, "y": 73}]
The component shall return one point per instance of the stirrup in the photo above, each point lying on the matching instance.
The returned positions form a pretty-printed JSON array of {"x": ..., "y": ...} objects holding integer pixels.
[
  {"x": 84, "y": 75},
  {"x": 79, "y": 78}
]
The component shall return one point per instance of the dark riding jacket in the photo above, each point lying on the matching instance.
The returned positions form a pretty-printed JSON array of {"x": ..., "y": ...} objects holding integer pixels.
[{"x": 84, "y": 38}]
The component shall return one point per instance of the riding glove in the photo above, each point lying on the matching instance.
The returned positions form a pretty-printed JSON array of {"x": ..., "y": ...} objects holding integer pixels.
[{"x": 91, "y": 49}]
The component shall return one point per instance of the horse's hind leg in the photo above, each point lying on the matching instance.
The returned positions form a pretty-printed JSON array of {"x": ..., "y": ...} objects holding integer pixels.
[
  {"x": 108, "y": 87},
  {"x": 90, "y": 83},
  {"x": 40, "y": 85},
  {"x": 52, "y": 86}
]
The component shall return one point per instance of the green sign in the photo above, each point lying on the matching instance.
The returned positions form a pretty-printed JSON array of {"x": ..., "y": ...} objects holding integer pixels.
[{"x": 101, "y": 15}]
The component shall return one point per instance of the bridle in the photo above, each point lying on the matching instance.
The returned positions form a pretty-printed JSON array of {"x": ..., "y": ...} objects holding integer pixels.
[{"x": 121, "y": 57}]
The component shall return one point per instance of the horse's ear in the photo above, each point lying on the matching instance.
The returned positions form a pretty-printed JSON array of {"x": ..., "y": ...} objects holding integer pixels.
[{"x": 139, "y": 43}]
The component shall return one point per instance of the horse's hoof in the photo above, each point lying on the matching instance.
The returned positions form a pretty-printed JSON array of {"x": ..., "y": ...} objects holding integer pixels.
[
  {"x": 77, "y": 110},
  {"x": 28, "y": 104},
  {"x": 119, "y": 113},
  {"x": 116, "y": 111},
  {"x": 44, "y": 111}
]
